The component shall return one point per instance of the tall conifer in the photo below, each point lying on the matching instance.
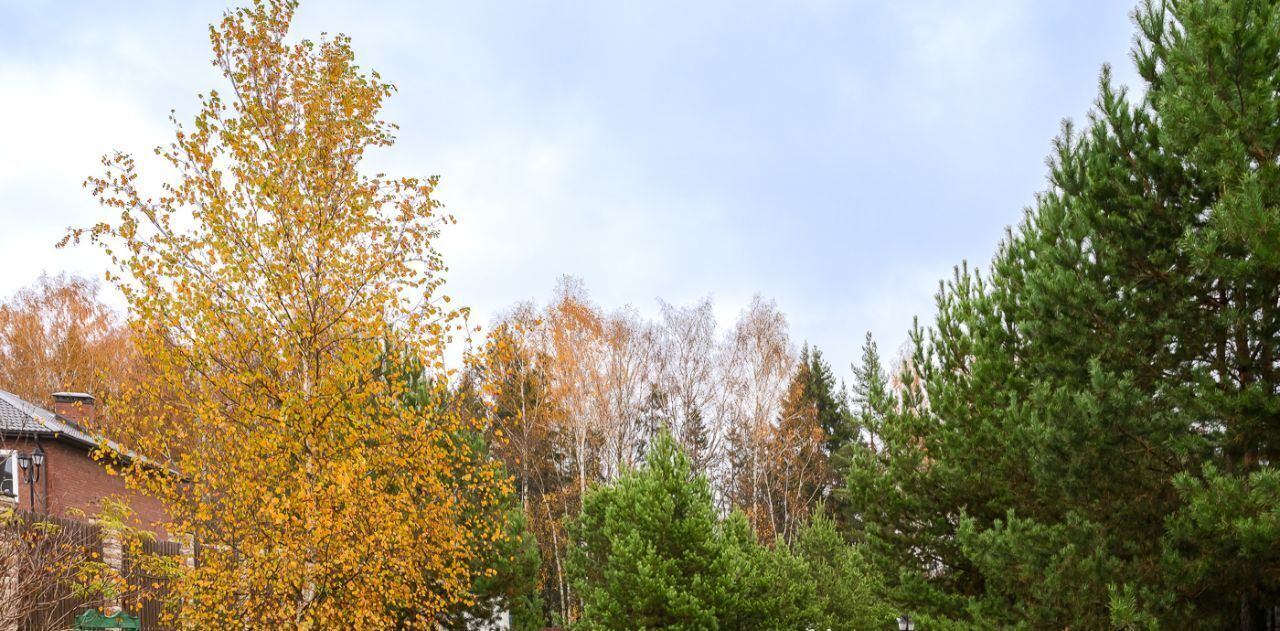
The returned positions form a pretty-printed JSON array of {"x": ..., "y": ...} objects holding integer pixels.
[{"x": 1098, "y": 426}]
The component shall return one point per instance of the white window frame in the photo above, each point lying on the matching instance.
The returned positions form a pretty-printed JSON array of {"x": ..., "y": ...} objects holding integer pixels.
[{"x": 10, "y": 462}]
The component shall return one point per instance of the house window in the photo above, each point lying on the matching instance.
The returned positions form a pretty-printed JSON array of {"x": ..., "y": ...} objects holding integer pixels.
[{"x": 8, "y": 473}]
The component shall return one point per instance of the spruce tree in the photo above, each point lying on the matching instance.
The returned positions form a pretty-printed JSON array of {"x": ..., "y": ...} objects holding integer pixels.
[
  {"x": 798, "y": 465},
  {"x": 694, "y": 437},
  {"x": 654, "y": 417},
  {"x": 828, "y": 399}
]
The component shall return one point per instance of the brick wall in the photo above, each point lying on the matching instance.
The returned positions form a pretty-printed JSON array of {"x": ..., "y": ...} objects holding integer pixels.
[{"x": 75, "y": 480}]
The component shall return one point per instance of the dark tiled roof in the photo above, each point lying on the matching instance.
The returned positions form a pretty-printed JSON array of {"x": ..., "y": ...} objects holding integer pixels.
[{"x": 20, "y": 417}]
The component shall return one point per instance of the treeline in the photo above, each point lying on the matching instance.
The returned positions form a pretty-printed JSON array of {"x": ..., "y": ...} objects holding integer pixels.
[
  {"x": 1084, "y": 437},
  {"x": 576, "y": 397}
]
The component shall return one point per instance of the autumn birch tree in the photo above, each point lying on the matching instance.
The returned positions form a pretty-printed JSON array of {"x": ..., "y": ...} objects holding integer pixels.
[
  {"x": 759, "y": 366},
  {"x": 266, "y": 279},
  {"x": 688, "y": 370},
  {"x": 58, "y": 334}
]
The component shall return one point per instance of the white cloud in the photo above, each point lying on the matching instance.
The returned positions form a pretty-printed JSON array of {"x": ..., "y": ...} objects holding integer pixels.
[{"x": 63, "y": 121}]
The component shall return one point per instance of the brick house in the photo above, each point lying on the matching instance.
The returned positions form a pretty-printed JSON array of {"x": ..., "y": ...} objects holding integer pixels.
[{"x": 46, "y": 463}]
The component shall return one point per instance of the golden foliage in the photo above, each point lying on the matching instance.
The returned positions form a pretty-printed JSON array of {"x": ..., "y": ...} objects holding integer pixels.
[{"x": 270, "y": 285}]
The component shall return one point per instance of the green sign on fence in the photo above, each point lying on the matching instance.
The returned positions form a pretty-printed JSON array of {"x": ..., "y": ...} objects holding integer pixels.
[{"x": 93, "y": 619}]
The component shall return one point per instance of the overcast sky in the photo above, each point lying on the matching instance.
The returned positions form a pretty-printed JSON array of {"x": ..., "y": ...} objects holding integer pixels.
[{"x": 839, "y": 157}]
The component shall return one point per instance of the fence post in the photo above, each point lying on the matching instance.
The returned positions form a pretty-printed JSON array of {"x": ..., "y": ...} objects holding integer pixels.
[
  {"x": 188, "y": 551},
  {"x": 113, "y": 556}
]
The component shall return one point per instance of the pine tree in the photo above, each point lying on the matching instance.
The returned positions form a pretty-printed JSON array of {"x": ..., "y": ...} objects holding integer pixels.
[
  {"x": 870, "y": 390},
  {"x": 649, "y": 553},
  {"x": 846, "y": 589},
  {"x": 1096, "y": 433},
  {"x": 646, "y": 551},
  {"x": 859, "y": 455},
  {"x": 770, "y": 586},
  {"x": 892, "y": 503}
]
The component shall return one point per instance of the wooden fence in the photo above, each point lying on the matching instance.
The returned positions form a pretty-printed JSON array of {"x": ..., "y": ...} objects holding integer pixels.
[
  {"x": 47, "y": 549},
  {"x": 46, "y": 553},
  {"x": 147, "y": 601}
]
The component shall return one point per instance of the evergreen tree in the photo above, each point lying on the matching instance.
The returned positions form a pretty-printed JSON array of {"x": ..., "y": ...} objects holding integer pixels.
[
  {"x": 505, "y": 572},
  {"x": 654, "y": 416},
  {"x": 1214, "y": 75},
  {"x": 646, "y": 553},
  {"x": 846, "y": 590},
  {"x": 799, "y": 470},
  {"x": 770, "y": 588},
  {"x": 511, "y": 585},
  {"x": 863, "y": 453},
  {"x": 828, "y": 399},
  {"x": 892, "y": 503},
  {"x": 649, "y": 553},
  {"x": 870, "y": 392},
  {"x": 693, "y": 435},
  {"x": 1096, "y": 437}
]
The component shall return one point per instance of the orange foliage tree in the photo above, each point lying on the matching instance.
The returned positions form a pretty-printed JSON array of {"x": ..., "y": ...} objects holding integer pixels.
[
  {"x": 58, "y": 335},
  {"x": 798, "y": 471},
  {"x": 759, "y": 367},
  {"x": 274, "y": 289}
]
